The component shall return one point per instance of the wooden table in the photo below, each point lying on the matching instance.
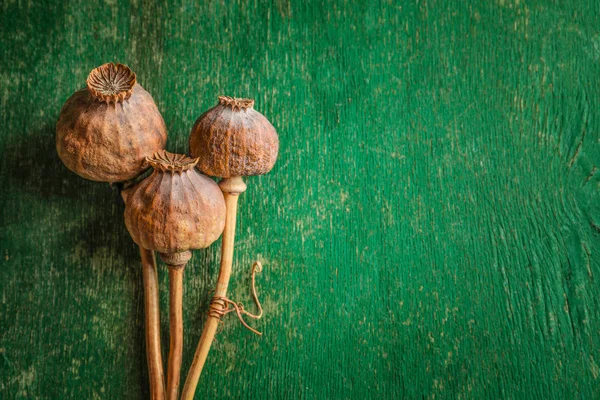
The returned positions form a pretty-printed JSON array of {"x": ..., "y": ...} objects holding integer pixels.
[{"x": 431, "y": 229}]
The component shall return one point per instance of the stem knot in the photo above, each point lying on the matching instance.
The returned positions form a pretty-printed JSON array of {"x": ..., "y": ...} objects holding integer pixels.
[{"x": 221, "y": 305}]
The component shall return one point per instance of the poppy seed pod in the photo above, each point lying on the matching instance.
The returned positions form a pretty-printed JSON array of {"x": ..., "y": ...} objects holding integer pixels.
[
  {"x": 106, "y": 131},
  {"x": 176, "y": 208},
  {"x": 232, "y": 139}
]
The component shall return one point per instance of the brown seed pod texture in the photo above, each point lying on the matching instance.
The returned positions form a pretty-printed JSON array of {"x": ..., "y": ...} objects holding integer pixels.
[
  {"x": 176, "y": 208},
  {"x": 106, "y": 131},
  {"x": 232, "y": 139}
]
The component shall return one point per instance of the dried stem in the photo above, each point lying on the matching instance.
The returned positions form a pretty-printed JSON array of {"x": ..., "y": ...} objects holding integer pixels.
[
  {"x": 176, "y": 331},
  {"x": 232, "y": 188},
  {"x": 152, "y": 319},
  {"x": 176, "y": 263}
]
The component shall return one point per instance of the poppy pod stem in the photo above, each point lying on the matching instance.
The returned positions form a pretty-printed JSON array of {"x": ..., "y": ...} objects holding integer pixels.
[
  {"x": 152, "y": 321},
  {"x": 232, "y": 188},
  {"x": 176, "y": 263}
]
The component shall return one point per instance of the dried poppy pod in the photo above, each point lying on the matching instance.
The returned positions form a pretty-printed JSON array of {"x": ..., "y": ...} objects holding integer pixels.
[
  {"x": 232, "y": 139},
  {"x": 172, "y": 211},
  {"x": 106, "y": 131},
  {"x": 176, "y": 208}
]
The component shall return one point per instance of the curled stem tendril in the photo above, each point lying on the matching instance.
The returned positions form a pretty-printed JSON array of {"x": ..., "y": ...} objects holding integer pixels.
[{"x": 221, "y": 306}]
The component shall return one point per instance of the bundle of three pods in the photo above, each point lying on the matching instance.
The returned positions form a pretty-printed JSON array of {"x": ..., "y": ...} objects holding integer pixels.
[{"x": 111, "y": 131}]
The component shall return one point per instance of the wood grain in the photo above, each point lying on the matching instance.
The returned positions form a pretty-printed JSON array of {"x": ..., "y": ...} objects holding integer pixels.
[{"x": 431, "y": 228}]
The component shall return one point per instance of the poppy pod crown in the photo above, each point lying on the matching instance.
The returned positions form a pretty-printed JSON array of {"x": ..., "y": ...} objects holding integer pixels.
[
  {"x": 233, "y": 139},
  {"x": 176, "y": 208},
  {"x": 170, "y": 162},
  {"x": 111, "y": 83}
]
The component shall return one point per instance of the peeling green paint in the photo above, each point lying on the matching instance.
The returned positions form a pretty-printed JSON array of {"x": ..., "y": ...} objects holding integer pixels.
[{"x": 431, "y": 229}]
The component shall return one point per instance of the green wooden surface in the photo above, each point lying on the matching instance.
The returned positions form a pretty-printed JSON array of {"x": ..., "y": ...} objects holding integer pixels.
[{"x": 431, "y": 229}]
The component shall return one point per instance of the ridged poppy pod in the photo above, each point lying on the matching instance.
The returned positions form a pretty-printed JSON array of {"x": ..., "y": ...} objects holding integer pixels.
[
  {"x": 233, "y": 139},
  {"x": 106, "y": 131},
  {"x": 176, "y": 208}
]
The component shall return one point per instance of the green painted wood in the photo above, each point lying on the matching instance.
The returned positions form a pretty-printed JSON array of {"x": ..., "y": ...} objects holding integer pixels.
[{"x": 431, "y": 229}]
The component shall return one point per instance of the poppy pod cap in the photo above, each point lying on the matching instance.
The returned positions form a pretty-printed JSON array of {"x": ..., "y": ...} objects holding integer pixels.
[
  {"x": 233, "y": 139},
  {"x": 176, "y": 208},
  {"x": 111, "y": 83},
  {"x": 106, "y": 130}
]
